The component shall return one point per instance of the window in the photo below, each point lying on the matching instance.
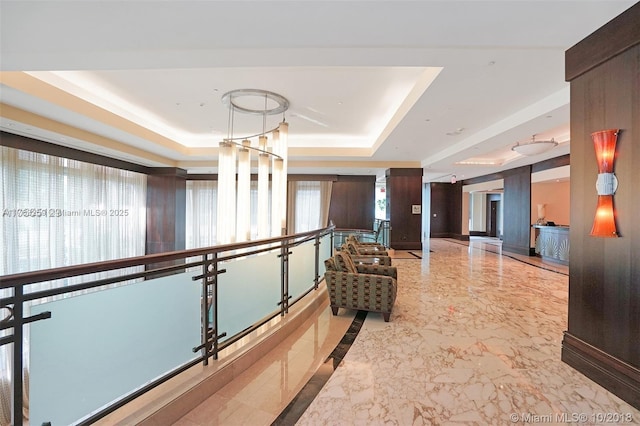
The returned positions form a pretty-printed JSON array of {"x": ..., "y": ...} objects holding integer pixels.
[{"x": 59, "y": 212}]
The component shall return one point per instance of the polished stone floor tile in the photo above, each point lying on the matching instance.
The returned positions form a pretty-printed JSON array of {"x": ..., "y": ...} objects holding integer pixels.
[
  {"x": 261, "y": 393},
  {"x": 474, "y": 338}
]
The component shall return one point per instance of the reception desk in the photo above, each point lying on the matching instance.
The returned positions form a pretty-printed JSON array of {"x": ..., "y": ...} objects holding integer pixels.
[{"x": 552, "y": 243}]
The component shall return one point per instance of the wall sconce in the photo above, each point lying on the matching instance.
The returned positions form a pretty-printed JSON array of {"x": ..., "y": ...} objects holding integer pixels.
[{"x": 604, "y": 224}]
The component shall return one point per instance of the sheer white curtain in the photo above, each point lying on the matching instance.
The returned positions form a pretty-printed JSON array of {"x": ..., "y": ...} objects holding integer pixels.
[
  {"x": 59, "y": 212},
  {"x": 202, "y": 199},
  {"x": 201, "y": 212},
  {"x": 308, "y": 205},
  {"x": 254, "y": 209}
]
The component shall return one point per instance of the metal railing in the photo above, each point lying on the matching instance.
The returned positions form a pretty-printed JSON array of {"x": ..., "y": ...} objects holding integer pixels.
[
  {"x": 379, "y": 233},
  {"x": 290, "y": 266}
]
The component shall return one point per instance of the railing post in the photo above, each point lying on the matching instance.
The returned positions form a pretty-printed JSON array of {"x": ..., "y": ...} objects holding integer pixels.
[
  {"x": 18, "y": 322},
  {"x": 214, "y": 305},
  {"x": 205, "y": 304},
  {"x": 332, "y": 237},
  {"x": 284, "y": 277},
  {"x": 209, "y": 299},
  {"x": 317, "y": 274},
  {"x": 204, "y": 311}
]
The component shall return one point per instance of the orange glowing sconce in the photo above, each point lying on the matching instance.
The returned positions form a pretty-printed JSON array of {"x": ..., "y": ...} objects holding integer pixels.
[{"x": 604, "y": 224}]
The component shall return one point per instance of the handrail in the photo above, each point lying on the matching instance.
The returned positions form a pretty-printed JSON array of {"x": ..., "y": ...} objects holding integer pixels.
[
  {"x": 211, "y": 256},
  {"x": 379, "y": 233},
  {"x": 89, "y": 268}
]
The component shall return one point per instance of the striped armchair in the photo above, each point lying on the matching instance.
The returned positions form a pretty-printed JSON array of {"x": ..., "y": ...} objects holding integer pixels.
[
  {"x": 378, "y": 259},
  {"x": 366, "y": 244},
  {"x": 357, "y": 250},
  {"x": 351, "y": 289},
  {"x": 363, "y": 265}
]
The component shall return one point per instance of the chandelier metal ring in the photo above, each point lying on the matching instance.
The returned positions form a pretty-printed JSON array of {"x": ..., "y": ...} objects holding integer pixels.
[{"x": 229, "y": 99}]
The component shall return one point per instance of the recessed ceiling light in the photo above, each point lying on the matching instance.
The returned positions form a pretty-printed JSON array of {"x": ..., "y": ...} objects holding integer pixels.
[
  {"x": 339, "y": 102},
  {"x": 477, "y": 162},
  {"x": 455, "y": 132}
]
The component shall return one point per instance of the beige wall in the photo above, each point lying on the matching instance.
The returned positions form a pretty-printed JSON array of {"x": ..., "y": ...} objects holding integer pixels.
[
  {"x": 556, "y": 197},
  {"x": 465, "y": 213},
  {"x": 478, "y": 212}
]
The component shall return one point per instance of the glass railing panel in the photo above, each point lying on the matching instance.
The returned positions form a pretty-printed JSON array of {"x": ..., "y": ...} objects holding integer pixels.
[
  {"x": 100, "y": 346},
  {"x": 302, "y": 268},
  {"x": 326, "y": 251},
  {"x": 248, "y": 291}
]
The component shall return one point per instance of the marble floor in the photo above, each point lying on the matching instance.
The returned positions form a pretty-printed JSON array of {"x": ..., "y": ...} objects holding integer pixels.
[{"x": 474, "y": 338}]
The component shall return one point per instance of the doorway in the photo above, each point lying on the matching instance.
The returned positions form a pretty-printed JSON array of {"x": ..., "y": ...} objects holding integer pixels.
[
  {"x": 493, "y": 215},
  {"x": 492, "y": 225}
]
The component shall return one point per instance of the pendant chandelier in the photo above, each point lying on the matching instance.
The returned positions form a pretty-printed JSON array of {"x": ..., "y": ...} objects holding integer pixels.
[{"x": 234, "y": 207}]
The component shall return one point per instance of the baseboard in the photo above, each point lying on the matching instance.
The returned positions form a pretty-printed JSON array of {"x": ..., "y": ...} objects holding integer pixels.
[
  {"x": 450, "y": 235},
  {"x": 478, "y": 233},
  {"x": 517, "y": 250},
  {"x": 406, "y": 245},
  {"x": 611, "y": 373},
  {"x": 440, "y": 235}
]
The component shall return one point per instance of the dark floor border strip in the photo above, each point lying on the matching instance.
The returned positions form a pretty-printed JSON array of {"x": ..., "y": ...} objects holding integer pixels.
[
  {"x": 292, "y": 413},
  {"x": 510, "y": 257},
  {"x": 415, "y": 255}
]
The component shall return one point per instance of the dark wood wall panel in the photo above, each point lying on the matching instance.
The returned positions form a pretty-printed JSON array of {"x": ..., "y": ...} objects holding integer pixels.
[
  {"x": 353, "y": 202},
  {"x": 551, "y": 163},
  {"x": 601, "y": 269},
  {"x": 517, "y": 210},
  {"x": 613, "y": 38},
  {"x": 166, "y": 210},
  {"x": 603, "y": 336},
  {"x": 404, "y": 189},
  {"x": 446, "y": 210},
  {"x": 28, "y": 144},
  {"x": 485, "y": 178}
]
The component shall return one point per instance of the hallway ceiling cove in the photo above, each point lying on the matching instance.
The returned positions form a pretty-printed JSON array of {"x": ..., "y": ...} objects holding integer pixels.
[{"x": 449, "y": 86}]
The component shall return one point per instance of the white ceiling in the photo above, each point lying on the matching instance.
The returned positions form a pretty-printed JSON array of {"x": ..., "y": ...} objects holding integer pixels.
[{"x": 372, "y": 84}]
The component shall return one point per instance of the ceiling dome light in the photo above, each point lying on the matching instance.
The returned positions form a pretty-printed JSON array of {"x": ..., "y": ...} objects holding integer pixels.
[{"x": 534, "y": 147}]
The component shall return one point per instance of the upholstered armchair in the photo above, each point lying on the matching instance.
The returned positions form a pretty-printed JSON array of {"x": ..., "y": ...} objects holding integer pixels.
[
  {"x": 364, "y": 244},
  {"x": 356, "y": 250},
  {"x": 379, "y": 257},
  {"x": 363, "y": 265},
  {"x": 351, "y": 289}
]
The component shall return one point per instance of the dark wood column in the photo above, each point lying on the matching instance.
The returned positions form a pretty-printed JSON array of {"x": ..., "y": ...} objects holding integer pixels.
[
  {"x": 517, "y": 210},
  {"x": 404, "y": 190},
  {"x": 166, "y": 207},
  {"x": 353, "y": 202},
  {"x": 603, "y": 336},
  {"x": 446, "y": 210}
]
